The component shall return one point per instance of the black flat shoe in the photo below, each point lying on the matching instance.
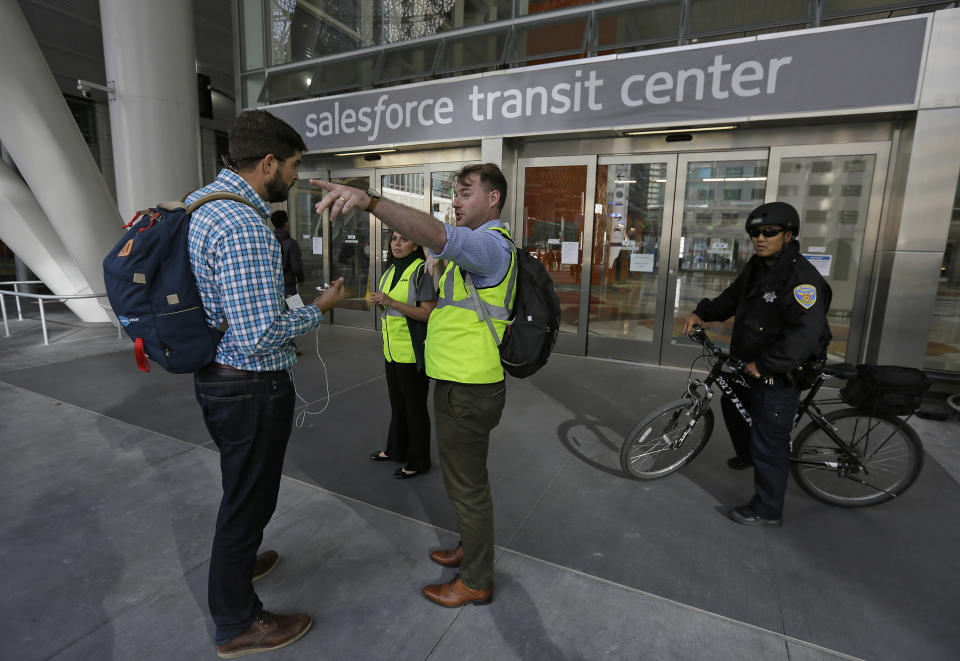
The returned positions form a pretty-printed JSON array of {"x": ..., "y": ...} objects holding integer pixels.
[
  {"x": 739, "y": 463},
  {"x": 402, "y": 474},
  {"x": 748, "y": 517},
  {"x": 380, "y": 455}
]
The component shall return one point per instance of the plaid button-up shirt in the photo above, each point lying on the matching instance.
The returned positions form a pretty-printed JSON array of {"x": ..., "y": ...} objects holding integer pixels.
[{"x": 236, "y": 261}]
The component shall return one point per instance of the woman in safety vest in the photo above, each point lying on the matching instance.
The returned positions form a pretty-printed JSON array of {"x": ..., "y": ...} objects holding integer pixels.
[{"x": 407, "y": 296}]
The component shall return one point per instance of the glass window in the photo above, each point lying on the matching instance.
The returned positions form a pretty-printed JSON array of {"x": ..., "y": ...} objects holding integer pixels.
[
  {"x": 441, "y": 195},
  {"x": 832, "y": 195},
  {"x": 408, "y": 62},
  {"x": 649, "y": 23},
  {"x": 306, "y": 30},
  {"x": 943, "y": 345},
  {"x": 712, "y": 16},
  {"x": 473, "y": 51},
  {"x": 536, "y": 42},
  {"x": 251, "y": 31},
  {"x": 251, "y": 89},
  {"x": 287, "y": 85},
  {"x": 346, "y": 74}
]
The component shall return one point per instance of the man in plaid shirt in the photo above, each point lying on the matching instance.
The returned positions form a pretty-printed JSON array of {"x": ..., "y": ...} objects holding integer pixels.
[{"x": 246, "y": 394}]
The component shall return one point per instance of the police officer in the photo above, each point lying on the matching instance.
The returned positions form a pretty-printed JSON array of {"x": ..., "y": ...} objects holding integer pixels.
[{"x": 780, "y": 303}]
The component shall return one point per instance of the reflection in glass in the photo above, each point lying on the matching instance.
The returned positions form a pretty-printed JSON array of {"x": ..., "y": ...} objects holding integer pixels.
[
  {"x": 626, "y": 250},
  {"x": 305, "y": 30},
  {"x": 305, "y": 226},
  {"x": 713, "y": 244},
  {"x": 553, "y": 199},
  {"x": 403, "y": 188},
  {"x": 943, "y": 346},
  {"x": 441, "y": 195},
  {"x": 832, "y": 195},
  {"x": 350, "y": 250}
]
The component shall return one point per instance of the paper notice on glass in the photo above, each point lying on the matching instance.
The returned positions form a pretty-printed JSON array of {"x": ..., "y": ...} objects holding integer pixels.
[
  {"x": 318, "y": 245},
  {"x": 641, "y": 262},
  {"x": 820, "y": 262},
  {"x": 570, "y": 252}
]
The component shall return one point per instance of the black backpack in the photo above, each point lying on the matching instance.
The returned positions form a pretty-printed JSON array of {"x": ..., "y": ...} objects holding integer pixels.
[
  {"x": 153, "y": 292},
  {"x": 535, "y": 319}
]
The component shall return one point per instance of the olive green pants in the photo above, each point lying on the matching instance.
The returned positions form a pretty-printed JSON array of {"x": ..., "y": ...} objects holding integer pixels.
[{"x": 465, "y": 413}]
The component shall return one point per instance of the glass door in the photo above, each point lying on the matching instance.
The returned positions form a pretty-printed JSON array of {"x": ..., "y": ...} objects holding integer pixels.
[
  {"x": 405, "y": 186},
  {"x": 709, "y": 245},
  {"x": 838, "y": 191},
  {"x": 555, "y": 209},
  {"x": 634, "y": 204},
  {"x": 309, "y": 231},
  {"x": 352, "y": 256}
]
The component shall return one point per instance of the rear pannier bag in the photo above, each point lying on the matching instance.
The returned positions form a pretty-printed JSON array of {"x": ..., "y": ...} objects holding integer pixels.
[{"x": 889, "y": 389}]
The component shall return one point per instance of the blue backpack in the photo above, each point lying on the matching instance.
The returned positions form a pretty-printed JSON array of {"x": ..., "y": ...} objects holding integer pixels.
[{"x": 153, "y": 292}]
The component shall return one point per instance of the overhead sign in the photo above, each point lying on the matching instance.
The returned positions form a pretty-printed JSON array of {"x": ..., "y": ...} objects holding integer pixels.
[{"x": 856, "y": 69}]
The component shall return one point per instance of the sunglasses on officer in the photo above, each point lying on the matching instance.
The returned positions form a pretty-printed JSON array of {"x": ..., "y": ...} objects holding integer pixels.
[{"x": 768, "y": 232}]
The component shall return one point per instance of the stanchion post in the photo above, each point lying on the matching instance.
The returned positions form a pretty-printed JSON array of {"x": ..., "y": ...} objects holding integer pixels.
[
  {"x": 3, "y": 304},
  {"x": 43, "y": 322},
  {"x": 16, "y": 286}
]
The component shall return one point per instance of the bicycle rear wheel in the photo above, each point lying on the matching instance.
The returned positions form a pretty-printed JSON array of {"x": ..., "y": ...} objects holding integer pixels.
[
  {"x": 648, "y": 451},
  {"x": 886, "y": 458}
]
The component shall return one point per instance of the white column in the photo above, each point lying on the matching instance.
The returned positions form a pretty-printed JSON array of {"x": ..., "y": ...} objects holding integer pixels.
[
  {"x": 36, "y": 127},
  {"x": 30, "y": 235},
  {"x": 150, "y": 56}
]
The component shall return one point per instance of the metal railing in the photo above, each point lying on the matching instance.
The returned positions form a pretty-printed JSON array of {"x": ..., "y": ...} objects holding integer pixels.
[{"x": 17, "y": 295}]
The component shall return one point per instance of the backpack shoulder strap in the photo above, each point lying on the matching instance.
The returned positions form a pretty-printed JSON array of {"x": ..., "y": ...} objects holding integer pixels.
[
  {"x": 481, "y": 309},
  {"x": 221, "y": 195}
]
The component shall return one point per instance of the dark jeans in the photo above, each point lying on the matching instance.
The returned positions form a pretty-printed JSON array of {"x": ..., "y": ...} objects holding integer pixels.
[
  {"x": 466, "y": 413},
  {"x": 289, "y": 290},
  {"x": 409, "y": 436},
  {"x": 772, "y": 409},
  {"x": 249, "y": 416}
]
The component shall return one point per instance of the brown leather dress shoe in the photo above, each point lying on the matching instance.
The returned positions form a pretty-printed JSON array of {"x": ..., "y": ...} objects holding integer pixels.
[
  {"x": 265, "y": 563},
  {"x": 455, "y": 594},
  {"x": 269, "y": 631},
  {"x": 448, "y": 557}
]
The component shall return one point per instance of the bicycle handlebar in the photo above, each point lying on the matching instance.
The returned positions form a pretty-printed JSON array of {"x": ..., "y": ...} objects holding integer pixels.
[{"x": 699, "y": 335}]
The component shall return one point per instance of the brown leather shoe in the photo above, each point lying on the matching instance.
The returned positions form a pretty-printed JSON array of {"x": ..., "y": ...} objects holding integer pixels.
[
  {"x": 448, "y": 557},
  {"x": 269, "y": 631},
  {"x": 265, "y": 563},
  {"x": 455, "y": 594}
]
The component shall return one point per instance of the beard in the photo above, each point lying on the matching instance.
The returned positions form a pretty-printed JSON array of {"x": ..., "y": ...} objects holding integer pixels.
[{"x": 276, "y": 189}]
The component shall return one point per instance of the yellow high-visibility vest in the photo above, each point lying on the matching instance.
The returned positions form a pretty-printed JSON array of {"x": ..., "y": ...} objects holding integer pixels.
[
  {"x": 397, "y": 345},
  {"x": 459, "y": 344}
]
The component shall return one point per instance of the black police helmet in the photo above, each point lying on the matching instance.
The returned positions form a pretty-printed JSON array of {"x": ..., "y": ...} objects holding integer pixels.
[{"x": 775, "y": 213}]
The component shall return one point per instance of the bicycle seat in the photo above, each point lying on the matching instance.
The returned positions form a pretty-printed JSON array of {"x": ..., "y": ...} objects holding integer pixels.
[{"x": 844, "y": 371}]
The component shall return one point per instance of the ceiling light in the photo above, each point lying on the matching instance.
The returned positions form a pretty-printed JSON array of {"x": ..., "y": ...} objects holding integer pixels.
[
  {"x": 369, "y": 151},
  {"x": 694, "y": 129}
]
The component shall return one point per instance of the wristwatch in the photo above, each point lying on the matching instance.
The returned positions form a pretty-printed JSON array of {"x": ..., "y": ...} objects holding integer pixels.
[{"x": 374, "y": 198}]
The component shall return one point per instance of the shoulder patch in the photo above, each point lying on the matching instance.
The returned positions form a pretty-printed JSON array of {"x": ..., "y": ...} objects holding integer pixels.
[{"x": 806, "y": 295}]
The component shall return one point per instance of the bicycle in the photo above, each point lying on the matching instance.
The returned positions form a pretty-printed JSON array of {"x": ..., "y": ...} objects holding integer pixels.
[{"x": 848, "y": 457}]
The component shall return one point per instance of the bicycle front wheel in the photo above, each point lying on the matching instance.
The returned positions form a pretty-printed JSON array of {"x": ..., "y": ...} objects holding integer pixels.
[
  {"x": 665, "y": 441},
  {"x": 885, "y": 458}
]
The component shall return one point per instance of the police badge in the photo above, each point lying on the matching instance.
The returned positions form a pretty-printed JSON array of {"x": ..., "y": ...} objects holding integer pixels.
[
  {"x": 806, "y": 295},
  {"x": 770, "y": 296}
]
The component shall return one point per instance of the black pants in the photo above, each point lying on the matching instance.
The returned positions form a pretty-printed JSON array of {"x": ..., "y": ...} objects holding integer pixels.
[
  {"x": 766, "y": 441},
  {"x": 249, "y": 416},
  {"x": 409, "y": 436}
]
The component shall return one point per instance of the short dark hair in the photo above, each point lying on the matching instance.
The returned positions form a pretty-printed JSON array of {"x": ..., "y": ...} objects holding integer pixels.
[
  {"x": 279, "y": 218},
  {"x": 256, "y": 133},
  {"x": 491, "y": 178}
]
